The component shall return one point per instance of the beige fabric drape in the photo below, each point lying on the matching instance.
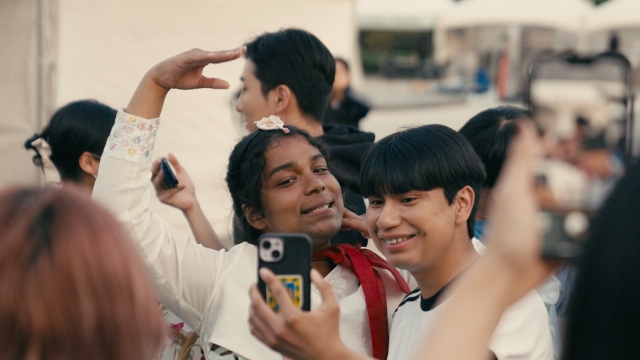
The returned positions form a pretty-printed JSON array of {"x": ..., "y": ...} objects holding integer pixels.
[{"x": 23, "y": 107}]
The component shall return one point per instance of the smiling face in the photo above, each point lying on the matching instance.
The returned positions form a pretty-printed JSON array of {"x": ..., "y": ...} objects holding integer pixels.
[
  {"x": 415, "y": 230},
  {"x": 252, "y": 103},
  {"x": 299, "y": 194}
]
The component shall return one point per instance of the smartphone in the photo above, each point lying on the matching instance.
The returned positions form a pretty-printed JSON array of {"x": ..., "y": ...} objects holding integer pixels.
[
  {"x": 170, "y": 179},
  {"x": 289, "y": 257},
  {"x": 583, "y": 108}
]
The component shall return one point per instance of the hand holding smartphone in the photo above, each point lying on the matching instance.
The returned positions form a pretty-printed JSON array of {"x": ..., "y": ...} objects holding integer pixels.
[{"x": 288, "y": 256}]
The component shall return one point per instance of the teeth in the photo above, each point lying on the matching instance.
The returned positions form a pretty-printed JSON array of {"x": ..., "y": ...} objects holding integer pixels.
[
  {"x": 323, "y": 207},
  {"x": 395, "y": 241}
]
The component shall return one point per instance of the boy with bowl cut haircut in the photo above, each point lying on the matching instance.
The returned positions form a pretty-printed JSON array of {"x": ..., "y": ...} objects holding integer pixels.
[{"x": 421, "y": 184}]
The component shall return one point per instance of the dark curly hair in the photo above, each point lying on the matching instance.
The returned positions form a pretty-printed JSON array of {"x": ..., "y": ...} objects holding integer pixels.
[{"x": 244, "y": 176}]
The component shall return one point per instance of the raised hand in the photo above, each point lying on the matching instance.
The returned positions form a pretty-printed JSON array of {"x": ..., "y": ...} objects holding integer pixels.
[{"x": 183, "y": 71}]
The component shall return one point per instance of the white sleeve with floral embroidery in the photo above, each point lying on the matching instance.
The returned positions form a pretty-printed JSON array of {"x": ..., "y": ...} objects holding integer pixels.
[
  {"x": 123, "y": 186},
  {"x": 132, "y": 137}
]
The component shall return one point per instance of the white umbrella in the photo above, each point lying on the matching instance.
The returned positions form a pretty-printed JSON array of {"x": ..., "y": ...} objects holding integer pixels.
[
  {"x": 400, "y": 14},
  {"x": 557, "y": 14},
  {"x": 615, "y": 14}
]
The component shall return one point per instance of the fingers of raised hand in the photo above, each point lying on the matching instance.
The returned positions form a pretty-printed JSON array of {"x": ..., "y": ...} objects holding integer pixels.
[
  {"x": 223, "y": 56},
  {"x": 213, "y": 83},
  {"x": 197, "y": 57}
]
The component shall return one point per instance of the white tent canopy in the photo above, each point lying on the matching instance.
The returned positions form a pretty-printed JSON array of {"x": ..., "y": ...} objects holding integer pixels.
[
  {"x": 614, "y": 14},
  {"x": 558, "y": 14},
  {"x": 400, "y": 14}
]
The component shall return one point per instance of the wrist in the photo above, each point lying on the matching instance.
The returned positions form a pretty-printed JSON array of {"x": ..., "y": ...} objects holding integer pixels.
[
  {"x": 501, "y": 281},
  {"x": 154, "y": 86},
  {"x": 148, "y": 99},
  {"x": 191, "y": 209}
]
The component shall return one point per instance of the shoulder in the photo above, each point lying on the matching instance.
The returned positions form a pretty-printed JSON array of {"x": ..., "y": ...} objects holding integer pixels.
[
  {"x": 529, "y": 305},
  {"x": 346, "y": 132},
  {"x": 243, "y": 255},
  {"x": 523, "y": 330},
  {"x": 412, "y": 298}
]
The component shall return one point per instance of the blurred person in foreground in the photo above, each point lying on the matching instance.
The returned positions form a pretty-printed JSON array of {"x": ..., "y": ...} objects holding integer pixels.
[
  {"x": 71, "y": 283},
  {"x": 344, "y": 108},
  {"x": 490, "y": 133}
]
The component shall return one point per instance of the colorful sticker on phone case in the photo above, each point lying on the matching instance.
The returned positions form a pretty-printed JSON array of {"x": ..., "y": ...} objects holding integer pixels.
[{"x": 293, "y": 284}]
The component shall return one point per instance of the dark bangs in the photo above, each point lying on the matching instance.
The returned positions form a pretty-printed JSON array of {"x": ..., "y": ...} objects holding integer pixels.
[
  {"x": 391, "y": 168},
  {"x": 422, "y": 159}
]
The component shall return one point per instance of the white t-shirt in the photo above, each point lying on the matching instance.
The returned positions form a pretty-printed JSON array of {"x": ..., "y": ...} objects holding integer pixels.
[{"x": 522, "y": 333}]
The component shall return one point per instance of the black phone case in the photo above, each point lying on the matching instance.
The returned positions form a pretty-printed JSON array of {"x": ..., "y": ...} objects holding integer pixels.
[
  {"x": 296, "y": 260},
  {"x": 169, "y": 177}
]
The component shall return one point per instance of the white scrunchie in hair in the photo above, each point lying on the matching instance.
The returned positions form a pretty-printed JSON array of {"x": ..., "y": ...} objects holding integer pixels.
[{"x": 51, "y": 174}]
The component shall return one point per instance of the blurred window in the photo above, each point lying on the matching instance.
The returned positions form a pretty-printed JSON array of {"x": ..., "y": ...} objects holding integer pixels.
[{"x": 397, "y": 54}]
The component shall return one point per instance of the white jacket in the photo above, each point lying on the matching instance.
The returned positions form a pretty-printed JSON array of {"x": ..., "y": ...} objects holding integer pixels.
[{"x": 207, "y": 289}]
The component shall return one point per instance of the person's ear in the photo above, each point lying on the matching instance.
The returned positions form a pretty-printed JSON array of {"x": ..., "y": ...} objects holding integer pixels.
[
  {"x": 283, "y": 97},
  {"x": 89, "y": 164},
  {"x": 464, "y": 204},
  {"x": 254, "y": 218}
]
